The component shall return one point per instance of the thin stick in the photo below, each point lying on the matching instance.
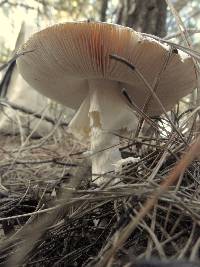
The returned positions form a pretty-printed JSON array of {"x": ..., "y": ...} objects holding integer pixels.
[
  {"x": 15, "y": 57},
  {"x": 4, "y": 102}
]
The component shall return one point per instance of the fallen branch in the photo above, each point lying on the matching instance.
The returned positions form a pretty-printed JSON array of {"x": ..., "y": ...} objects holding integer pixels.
[{"x": 27, "y": 111}]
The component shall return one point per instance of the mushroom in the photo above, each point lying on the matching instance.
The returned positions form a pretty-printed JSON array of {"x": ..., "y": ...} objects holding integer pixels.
[{"x": 71, "y": 64}]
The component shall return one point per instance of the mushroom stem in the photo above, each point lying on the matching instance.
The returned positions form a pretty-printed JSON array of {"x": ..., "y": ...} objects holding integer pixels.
[
  {"x": 103, "y": 113},
  {"x": 105, "y": 153}
]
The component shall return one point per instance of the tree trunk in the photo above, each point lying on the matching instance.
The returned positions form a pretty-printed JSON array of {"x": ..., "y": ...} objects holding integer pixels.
[
  {"x": 104, "y": 7},
  {"x": 144, "y": 16}
]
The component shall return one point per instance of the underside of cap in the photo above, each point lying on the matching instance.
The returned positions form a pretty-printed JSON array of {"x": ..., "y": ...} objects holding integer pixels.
[{"x": 65, "y": 56}]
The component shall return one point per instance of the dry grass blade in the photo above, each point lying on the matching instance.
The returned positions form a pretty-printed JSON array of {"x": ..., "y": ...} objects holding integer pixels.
[
  {"x": 120, "y": 238},
  {"x": 180, "y": 24},
  {"x": 177, "y": 34},
  {"x": 193, "y": 53},
  {"x": 35, "y": 231},
  {"x": 3, "y": 66}
]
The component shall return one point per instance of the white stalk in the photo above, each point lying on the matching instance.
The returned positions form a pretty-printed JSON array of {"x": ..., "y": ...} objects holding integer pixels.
[
  {"x": 105, "y": 153},
  {"x": 103, "y": 113}
]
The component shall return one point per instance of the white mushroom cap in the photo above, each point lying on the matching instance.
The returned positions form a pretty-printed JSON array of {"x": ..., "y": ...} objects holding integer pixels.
[
  {"x": 67, "y": 55},
  {"x": 71, "y": 64}
]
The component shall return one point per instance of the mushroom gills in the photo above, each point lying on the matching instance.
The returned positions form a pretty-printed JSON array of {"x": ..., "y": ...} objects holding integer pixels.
[{"x": 103, "y": 114}]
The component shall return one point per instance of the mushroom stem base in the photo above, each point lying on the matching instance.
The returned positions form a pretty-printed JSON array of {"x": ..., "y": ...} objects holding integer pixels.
[
  {"x": 103, "y": 113},
  {"x": 105, "y": 153}
]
